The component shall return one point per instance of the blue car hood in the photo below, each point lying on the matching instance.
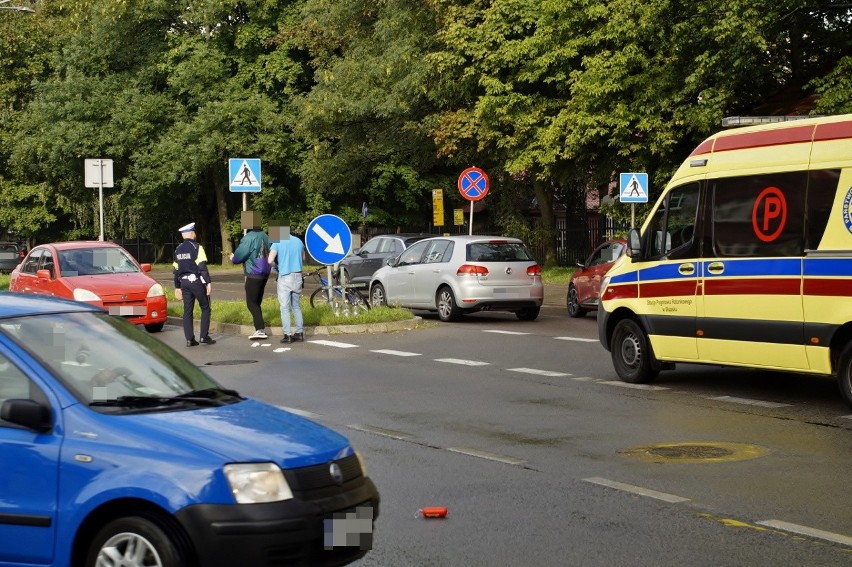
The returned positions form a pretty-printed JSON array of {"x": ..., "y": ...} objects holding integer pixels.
[{"x": 250, "y": 431}]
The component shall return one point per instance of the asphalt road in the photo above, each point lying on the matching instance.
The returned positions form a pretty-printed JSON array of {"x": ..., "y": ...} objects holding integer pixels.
[{"x": 544, "y": 458}]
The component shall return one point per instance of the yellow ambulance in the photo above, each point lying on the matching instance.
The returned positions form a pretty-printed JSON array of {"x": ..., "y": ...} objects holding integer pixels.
[{"x": 745, "y": 260}]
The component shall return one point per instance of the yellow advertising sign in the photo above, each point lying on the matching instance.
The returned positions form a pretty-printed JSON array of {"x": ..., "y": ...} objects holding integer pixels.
[
  {"x": 458, "y": 217},
  {"x": 438, "y": 207}
]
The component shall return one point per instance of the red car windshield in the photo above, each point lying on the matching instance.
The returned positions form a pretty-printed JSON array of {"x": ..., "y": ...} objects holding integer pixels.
[{"x": 95, "y": 261}]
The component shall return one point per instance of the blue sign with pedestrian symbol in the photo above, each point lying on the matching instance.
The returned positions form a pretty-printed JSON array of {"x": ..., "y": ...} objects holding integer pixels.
[
  {"x": 633, "y": 187},
  {"x": 328, "y": 239},
  {"x": 244, "y": 175}
]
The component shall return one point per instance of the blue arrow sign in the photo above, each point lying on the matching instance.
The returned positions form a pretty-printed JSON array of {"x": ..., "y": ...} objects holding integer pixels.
[
  {"x": 244, "y": 175},
  {"x": 328, "y": 239}
]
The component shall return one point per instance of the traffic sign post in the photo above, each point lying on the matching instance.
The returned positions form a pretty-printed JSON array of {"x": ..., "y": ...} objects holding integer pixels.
[
  {"x": 473, "y": 185},
  {"x": 633, "y": 188},
  {"x": 328, "y": 239},
  {"x": 244, "y": 177},
  {"x": 98, "y": 173}
]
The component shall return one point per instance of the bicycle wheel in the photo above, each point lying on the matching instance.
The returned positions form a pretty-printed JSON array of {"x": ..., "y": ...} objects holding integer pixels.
[
  {"x": 354, "y": 297},
  {"x": 319, "y": 297}
]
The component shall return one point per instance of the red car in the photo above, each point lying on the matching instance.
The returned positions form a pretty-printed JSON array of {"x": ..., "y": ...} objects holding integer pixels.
[
  {"x": 584, "y": 287},
  {"x": 100, "y": 273}
]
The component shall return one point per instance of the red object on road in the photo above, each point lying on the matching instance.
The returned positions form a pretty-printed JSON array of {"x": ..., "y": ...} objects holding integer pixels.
[{"x": 434, "y": 512}]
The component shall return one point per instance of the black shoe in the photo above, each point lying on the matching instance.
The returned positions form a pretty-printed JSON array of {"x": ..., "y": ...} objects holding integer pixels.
[
  {"x": 192, "y": 342},
  {"x": 287, "y": 339},
  {"x": 298, "y": 337},
  {"x": 207, "y": 341}
]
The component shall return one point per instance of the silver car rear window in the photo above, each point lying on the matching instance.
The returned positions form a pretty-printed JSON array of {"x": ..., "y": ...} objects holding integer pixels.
[{"x": 498, "y": 251}]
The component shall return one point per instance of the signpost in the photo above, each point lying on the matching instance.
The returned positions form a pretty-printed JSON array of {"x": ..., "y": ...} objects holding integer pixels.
[
  {"x": 473, "y": 185},
  {"x": 244, "y": 177},
  {"x": 633, "y": 189},
  {"x": 98, "y": 173},
  {"x": 438, "y": 207},
  {"x": 328, "y": 241}
]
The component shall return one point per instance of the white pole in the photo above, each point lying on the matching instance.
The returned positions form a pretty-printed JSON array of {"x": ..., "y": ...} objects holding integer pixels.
[
  {"x": 470, "y": 228},
  {"x": 101, "y": 196}
]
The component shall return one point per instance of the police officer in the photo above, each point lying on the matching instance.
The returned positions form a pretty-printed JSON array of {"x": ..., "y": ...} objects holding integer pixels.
[{"x": 192, "y": 281}]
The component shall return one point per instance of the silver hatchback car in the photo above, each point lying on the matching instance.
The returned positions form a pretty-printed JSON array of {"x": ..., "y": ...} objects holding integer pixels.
[{"x": 454, "y": 275}]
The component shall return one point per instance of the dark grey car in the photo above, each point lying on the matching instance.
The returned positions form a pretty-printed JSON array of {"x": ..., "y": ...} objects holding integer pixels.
[
  {"x": 361, "y": 264},
  {"x": 11, "y": 255}
]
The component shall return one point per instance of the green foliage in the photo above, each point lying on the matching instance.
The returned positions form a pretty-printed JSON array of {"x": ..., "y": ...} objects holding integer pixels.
[{"x": 352, "y": 101}]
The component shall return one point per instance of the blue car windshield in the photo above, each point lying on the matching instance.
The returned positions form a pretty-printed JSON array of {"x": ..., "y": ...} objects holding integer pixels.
[{"x": 102, "y": 358}]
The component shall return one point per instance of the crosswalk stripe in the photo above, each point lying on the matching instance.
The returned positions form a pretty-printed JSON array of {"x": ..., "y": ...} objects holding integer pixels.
[
  {"x": 333, "y": 343},
  {"x": 395, "y": 352},
  {"x": 505, "y": 332},
  {"x": 538, "y": 372},
  {"x": 462, "y": 361}
]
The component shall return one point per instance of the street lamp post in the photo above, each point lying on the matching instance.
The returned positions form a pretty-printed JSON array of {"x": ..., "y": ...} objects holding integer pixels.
[{"x": 15, "y": 8}]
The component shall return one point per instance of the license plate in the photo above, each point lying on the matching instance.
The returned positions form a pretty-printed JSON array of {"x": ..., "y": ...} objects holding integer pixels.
[
  {"x": 511, "y": 292},
  {"x": 127, "y": 310},
  {"x": 349, "y": 529}
]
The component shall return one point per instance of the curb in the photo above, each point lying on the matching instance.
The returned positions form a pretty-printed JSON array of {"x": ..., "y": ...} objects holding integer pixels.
[{"x": 323, "y": 330}]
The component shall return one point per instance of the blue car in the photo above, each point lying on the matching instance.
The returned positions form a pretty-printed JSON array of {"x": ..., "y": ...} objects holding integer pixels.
[{"x": 116, "y": 450}]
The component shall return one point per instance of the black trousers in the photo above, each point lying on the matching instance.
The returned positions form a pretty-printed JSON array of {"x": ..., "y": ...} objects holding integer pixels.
[
  {"x": 254, "y": 297},
  {"x": 193, "y": 291}
]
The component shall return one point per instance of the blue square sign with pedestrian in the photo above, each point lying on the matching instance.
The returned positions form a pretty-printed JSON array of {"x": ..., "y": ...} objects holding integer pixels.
[{"x": 244, "y": 175}]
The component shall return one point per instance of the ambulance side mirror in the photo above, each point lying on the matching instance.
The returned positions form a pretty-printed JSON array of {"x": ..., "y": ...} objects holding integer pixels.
[{"x": 634, "y": 242}]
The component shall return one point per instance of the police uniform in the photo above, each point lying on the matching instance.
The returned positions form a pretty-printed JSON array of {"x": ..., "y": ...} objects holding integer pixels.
[{"x": 191, "y": 277}]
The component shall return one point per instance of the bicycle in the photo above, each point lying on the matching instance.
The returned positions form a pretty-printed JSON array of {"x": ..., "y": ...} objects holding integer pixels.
[{"x": 352, "y": 300}]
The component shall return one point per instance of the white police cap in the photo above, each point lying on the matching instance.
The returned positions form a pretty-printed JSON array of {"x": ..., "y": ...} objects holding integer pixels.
[{"x": 187, "y": 228}]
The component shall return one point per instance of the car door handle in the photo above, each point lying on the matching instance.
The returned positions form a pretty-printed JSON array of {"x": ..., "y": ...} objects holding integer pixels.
[
  {"x": 716, "y": 268},
  {"x": 686, "y": 269}
]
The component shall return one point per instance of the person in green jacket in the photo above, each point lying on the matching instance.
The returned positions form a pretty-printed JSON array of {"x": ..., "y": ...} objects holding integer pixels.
[{"x": 252, "y": 253}]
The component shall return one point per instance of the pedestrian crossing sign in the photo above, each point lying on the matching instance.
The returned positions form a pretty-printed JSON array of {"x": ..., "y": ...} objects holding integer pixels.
[
  {"x": 244, "y": 175},
  {"x": 633, "y": 188}
]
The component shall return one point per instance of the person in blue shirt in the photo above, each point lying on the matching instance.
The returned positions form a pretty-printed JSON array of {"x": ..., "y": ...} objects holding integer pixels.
[{"x": 288, "y": 254}]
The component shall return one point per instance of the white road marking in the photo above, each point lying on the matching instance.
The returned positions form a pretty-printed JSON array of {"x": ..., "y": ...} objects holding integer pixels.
[
  {"x": 487, "y": 455},
  {"x": 462, "y": 361},
  {"x": 505, "y": 332},
  {"x": 303, "y": 413},
  {"x": 395, "y": 352},
  {"x": 281, "y": 349},
  {"x": 633, "y": 386},
  {"x": 804, "y": 530},
  {"x": 665, "y": 497},
  {"x": 584, "y": 379},
  {"x": 538, "y": 372},
  {"x": 578, "y": 339},
  {"x": 846, "y": 417},
  {"x": 380, "y": 431},
  {"x": 747, "y": 401},
  {"x": 333, "y": 343}
]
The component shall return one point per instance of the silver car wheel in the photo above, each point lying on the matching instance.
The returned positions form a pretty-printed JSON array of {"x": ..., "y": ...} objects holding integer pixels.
[
  {"x": 377, "y": 295},
  {"x": 447, "y": 308},
  {"x": 128, "y": 550}
]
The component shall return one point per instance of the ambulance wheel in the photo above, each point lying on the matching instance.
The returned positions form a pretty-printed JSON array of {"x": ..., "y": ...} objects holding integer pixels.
[
  {"x": 844, "y": 374},
  {"x": 631, "y": 353}
]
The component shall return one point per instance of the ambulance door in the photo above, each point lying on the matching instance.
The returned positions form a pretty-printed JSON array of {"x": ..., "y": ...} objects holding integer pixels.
[
  {"x": 668, "y": 278},
  {"x": 752, "y": 303}
]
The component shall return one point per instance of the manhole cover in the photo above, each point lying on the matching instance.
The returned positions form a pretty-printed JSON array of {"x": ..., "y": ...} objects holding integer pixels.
[
  {"x": 713, "y": 452},
  {"x": 228, "y": 362},
  {"x": 690, "y": 452}
]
